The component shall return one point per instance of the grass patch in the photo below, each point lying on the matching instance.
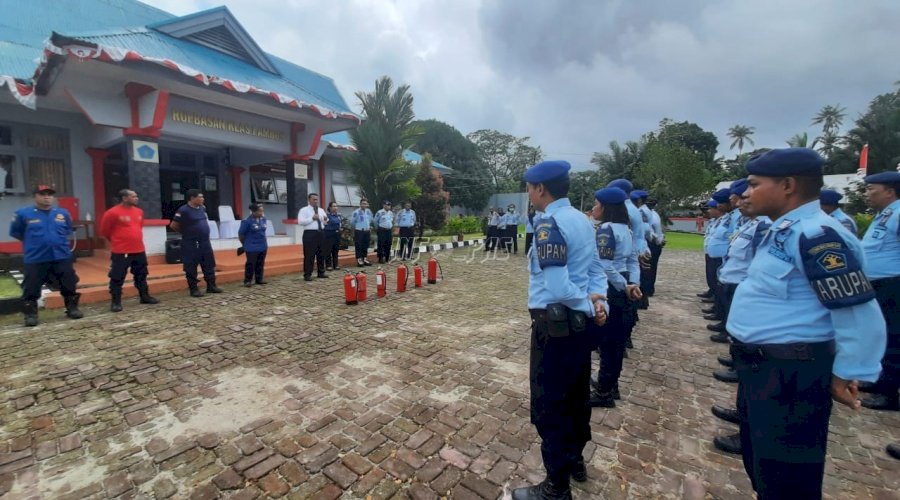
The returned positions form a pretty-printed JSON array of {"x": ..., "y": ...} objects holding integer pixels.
[
  {"x": 684, "y": 241},
  {"x": 9, "y": 287}
]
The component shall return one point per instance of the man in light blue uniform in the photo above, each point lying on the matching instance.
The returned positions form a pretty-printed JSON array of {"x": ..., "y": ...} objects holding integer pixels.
[
  {"x": 656, "y": 240},
  {"x": 638, "y": 227},
  {"x": 806, "y": 327},
  {"x": 566, "y": 290},
  {"x": 493, "y": 221},
  {"x": 719, "y": 239},
  {"x": 361, "y": 220},
  {"x": 722, "y": 302},
  {"x": 529, "y": 229},
  {"x": 829, "y": 199},
  {"x": 712, "y": 215},
  {"x": 406, "y": 221},
  {"x": 639, "y": 199},
  {"x": 882, "y": 246},
  {"x": 384, "y": 226}
]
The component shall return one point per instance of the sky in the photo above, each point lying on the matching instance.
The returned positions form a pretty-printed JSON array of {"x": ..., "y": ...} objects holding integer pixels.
[{"x": 574, "y": 75}]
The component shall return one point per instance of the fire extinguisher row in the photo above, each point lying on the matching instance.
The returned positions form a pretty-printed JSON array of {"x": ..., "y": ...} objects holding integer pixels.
[{"x": 356, "y": 288}]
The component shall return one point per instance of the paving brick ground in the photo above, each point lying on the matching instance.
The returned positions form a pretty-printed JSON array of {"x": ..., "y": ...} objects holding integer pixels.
[{"x": 282, "y": 391}]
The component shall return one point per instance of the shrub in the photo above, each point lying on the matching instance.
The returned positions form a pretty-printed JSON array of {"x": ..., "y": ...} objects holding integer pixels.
[
  {"x": 862, "y": 222},
  {"x": 466, "y": 225}
]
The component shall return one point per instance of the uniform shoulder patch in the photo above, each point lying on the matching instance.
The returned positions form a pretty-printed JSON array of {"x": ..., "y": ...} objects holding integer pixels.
[
  {"x": 606, "y": 242},
  {"x": 833, "y": 271},
  {"x": 550, "y": 244}
]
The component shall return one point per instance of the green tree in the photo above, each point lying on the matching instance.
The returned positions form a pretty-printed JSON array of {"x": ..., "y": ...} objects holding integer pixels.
[
  {"x": 831, "y": 118},
  {"x": 470, "y": 184},
  {"x": 619, "y": 162},
  {"x": 431, "y": 204},
  {"x": 673, "y": 174},
  {"x": 583, "y": 184},
  {"x": 378, "y": 165},
  {"x": 879, "y": 127},
  {"x": 801, "y": 140},
  {"x": 506, "y": 157},
  {"x": 741, "y": 134},
  {"x": 690, "y": 136}
]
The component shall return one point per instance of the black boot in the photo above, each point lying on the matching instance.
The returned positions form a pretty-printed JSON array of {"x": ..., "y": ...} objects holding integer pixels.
[
  {"x": 72, "y": 306},
  {"x": 719, "y": 338},
  {"x": 730, "y": 376},
  {"x": 196, "y": 292},
  {"x": 615, "y": 392},
  {"x": 893, "y": 450},
  {"x": 717, "y": 327},
  {"x": 546, "y": 490},
  {"x": 602, "y": 399},
  {"x": 579, "y": 471},
  {"x": 30, "y": 309},
  {"x": 882, "y": 402},
  {"x": 146, "y": 298},
  {"x": 728, "y": 444},
  {"x": 726, "y": 414},
  {"x": 116, "y": 304},
  {"x": 212, "y": 288},
  {"x": 726, "y": 361}
]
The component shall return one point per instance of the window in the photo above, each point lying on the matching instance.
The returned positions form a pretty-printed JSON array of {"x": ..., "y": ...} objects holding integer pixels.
[
  {"x": 346, "y": 195},
  {"x": 31, "y": 155},
  {"x": 339, "y": 176}
]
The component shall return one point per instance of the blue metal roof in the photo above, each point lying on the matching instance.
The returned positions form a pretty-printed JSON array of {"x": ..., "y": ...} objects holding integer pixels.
[
  {"x": 343, "y": 138},
  {"x": 123, "y": 24}
]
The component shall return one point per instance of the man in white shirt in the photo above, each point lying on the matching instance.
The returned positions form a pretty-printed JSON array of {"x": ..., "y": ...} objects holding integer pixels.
[{"x": 313, "y": 219}]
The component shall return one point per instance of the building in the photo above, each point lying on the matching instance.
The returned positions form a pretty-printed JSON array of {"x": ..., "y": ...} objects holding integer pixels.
[{"x": 99, "y": 95}]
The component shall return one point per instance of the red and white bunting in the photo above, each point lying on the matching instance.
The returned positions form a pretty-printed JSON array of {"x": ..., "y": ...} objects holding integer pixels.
[{"x": 20, "y": 91}]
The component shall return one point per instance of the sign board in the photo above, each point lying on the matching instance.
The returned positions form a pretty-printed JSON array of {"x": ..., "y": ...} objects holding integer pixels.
[
  {"x": 147, "y": 152},
  {"x": 300, "y": 171}
]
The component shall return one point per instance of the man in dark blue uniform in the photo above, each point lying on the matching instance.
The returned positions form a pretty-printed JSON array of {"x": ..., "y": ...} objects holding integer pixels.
[
  {"x": 193, "y": 224},
  {"x": 44, "y": 230},
  {"x": 806, "y": 327},
  {"x": 566, "y": 291}
]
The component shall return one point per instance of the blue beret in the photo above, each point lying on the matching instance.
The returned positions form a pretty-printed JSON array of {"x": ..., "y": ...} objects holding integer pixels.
[
  {"x": 547, "y": 171},
  {"x": 712, "y": 204},
  {"x": 830, "y": 197},
  {"x": 623, "y": 184},
  {"x": 786, "y": 161},
  {"x": 738, "y": 187},
  {"x": 611, "y": 196},
  {"x": 883, "y": 178},
  {"x": 638, "y": 194},
  {"x": 722, "y": 195}
]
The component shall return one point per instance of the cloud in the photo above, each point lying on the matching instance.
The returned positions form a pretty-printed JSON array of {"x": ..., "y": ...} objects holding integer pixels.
[{"x": 573, "y": 75}]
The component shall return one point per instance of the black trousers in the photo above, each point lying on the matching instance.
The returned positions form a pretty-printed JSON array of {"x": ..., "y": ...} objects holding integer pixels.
[
  {"x": 887, "y": 292},
  {"x": 361, "y": 240},
  {"x": 712, "y": 268},
  {"x": 331, "y": 248},
  {"x": 492, "y": 237},
  {"x": 119, "y": 265},
  {"x": 723, "y": 295},
  {"x": 648, "y": 283},
  {"x": 560, "y": 372},
  {"x": 529, "y": 237},
  {"x": 312, "y": 252},
  {"x": 785, "y": 405},
  {"x": 254, "y": 266},
  {"x": 194, "y": 253},
  {"x": 384, "y": 244},
  {"x": 513, "y": 235},
  {"x": 407, "y": 235},
  {"x": 611, "y": 340},
  {"x": 61, "y": 271}
]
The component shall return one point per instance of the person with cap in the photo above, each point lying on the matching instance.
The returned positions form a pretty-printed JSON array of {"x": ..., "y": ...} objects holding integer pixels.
[
  {"x": 656, "y": 242},
  {"x": 123, "y": 226},
  {"x": 192, "y": 222},
  {"x": 44, "y": 232},
  {"x": 829, "y": 199},
  {"x": 255, "y": 245},
  {"x": 736, "y": 219},
  {"x": 493, "y": 221},
  {"x": 615, "y": 247},
  {"x": 406, "y": 221},
  {"x": 719, "y": 239},
  {"x": 512, "y": 227},
  {"x": 733, "y": 271},
  {"x": 566, "y": 291},
  {"x": 712, "y": 215},
  {"x": 639, "y": 230},
  {"x": 384, "y": 225},
  {"x": 332, "y": 237},
  {"x": 312, "y": 218},
  {"x": 639, "y": 198},
  {"x": 529, "y": 229},
  {"x": 881, "y": 243},
  {"x": 502, "y": 234},
  {"x": 806, "y": 327},
  {"x": 361, "y": 219}
]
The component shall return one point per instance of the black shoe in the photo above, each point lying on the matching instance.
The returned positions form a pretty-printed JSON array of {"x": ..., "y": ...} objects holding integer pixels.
[
  {"x": 546, "y": 490},
  {"x": 196, "y": 292},
  {"x": 30, "y": 309},
  {"x": 719, "y": 338},
  {"x": 146, "y": 298},
  {"x": 730, "y": 376},
  {"x": 212, "y": 288},
  {"x": 728, "y": 444},
  {"x": 248, "y": 284},
  {"x": 893, "y": 450},
  {"x": 307, "y": 278},
  {"x": 579, "y": 471},
  {"x": 601, "y": 399},
  {"x": 708, "y": 310},
  {"x": 115, "y": 306},
  {"x": 628, "y": 344},
  {"x": 870, "y": 387},
  {"x": 262, "y": 282},
  {"x": 882, "y": 402},
  {"x": 336, "y": 268},
  {"x": 726, "y": 414},
  {"x": 321, "y": 275},
  {"x": 72, "y": 311},
  {"x": 615, "y": 393},
  {"x": 716, "y": 327},
  {"x": 726, "y": 361},
  {"x": 712, "y": 317},
  {"x": 705, "y": 295},
  {"x": 708, "y": 301}
]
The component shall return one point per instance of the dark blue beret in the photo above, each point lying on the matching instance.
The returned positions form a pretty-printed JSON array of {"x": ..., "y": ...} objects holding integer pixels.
[
  {"x": 786, "y": 161},
  {"x": 623, "y": 184},
  {"x": 738, "y": 187},
  {"x": 712, "y": 204},
  {"x": 883, "y": 178},
  {"x": 830, "y": 197},
  {"x": 638, "y": 194},
  {"x": 547, "y": 171},
  {"x": 722, "y": 195},
  {"x": 611, "y": 196}
]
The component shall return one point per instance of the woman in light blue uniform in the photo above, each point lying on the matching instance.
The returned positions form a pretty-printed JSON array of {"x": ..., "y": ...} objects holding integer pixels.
[
  {"x": 618, "y": 255},
  {"x": 529, "y": 229}
]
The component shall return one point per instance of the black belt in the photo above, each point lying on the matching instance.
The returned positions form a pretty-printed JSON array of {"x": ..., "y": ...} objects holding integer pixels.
[{"x": 785, "y": 352}]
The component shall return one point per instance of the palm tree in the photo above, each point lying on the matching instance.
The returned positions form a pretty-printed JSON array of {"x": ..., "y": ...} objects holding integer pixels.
[
  {"x": 802, "y": 141},
  {"x": 831, "y": 118},
  {"x": 741, "y": 134}
]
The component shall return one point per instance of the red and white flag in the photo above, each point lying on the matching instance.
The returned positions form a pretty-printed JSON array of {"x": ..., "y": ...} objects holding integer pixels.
[{"x": 863, "y": 161}]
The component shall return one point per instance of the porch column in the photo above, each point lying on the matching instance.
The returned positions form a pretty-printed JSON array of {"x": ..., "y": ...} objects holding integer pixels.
[
  {"x": 98, "y": 156},
  {"x": 323, "y": 198},
  {"x": 297, "y": 174},
  {"x": 143, "y": 174},
  {"x": 236, "y": 192}
]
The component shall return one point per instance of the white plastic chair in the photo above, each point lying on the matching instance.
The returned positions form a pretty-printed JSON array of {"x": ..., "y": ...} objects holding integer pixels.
[
  {"x": 270, "y": 228},
  {"x": 213, "y": 230},
  {"x": 228, "y": 227}
]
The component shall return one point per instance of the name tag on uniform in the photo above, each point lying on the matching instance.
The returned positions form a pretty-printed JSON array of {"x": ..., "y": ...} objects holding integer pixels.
[{"x": 833, "y": 271}]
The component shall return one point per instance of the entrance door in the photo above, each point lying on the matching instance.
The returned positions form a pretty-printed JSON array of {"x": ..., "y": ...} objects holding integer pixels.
[
  {"x": 115, "y": 175},
  {"x": 173, "y": 184}
]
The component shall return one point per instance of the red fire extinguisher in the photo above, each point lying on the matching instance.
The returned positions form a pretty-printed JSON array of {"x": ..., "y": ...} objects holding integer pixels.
[
  {"x": 361, "y": 286},
  {"x": 402, "y": 277},
  {"x": 349, "y": 288},
  {"x": 433, "y": 266},
  {"x": 417, "y": 275},
  {"x": 381, "y": 283}
]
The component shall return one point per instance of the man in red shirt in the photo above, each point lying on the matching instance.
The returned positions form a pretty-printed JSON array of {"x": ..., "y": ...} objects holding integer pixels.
[{"x": 123, "y": 225}]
